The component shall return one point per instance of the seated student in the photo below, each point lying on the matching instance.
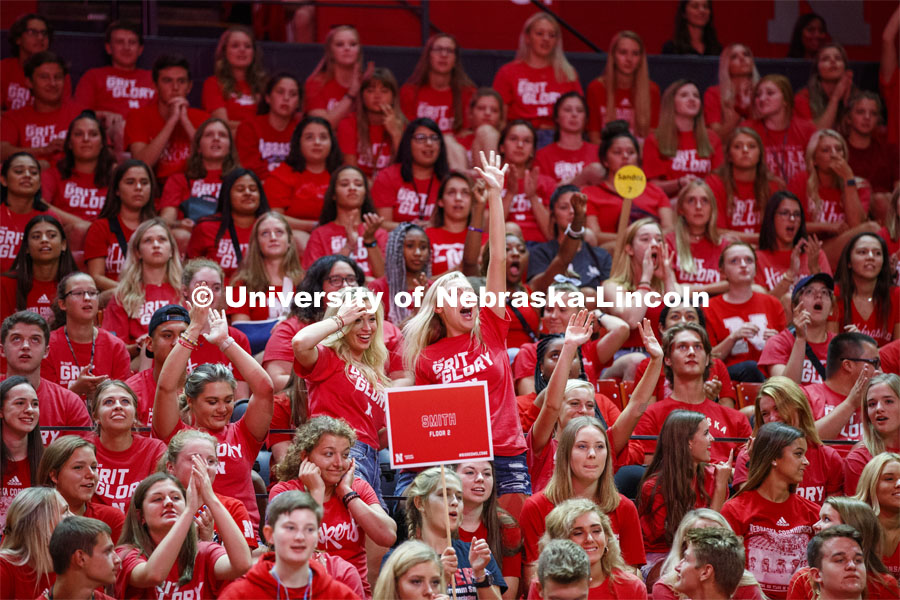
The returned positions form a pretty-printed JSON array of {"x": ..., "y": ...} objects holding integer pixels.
[
  {"x": 836, "y": 402},
  {"x": 694, "y": 32},
  {"x": 263, "y": 141},
  {"x": 528, "y": 189},
  {"x": 729, "y": 102},
  {"x": 841, "y": 510},
  {"x": 407, "y": 264},
  {"x": 563, "y": 571},
  {"x": 159, "y": 546},
  {"x": 292, "y": 517},
  {"x": 21, "y": 437},
  {"x": 84, "y": 559},
  {"x": 880, "y": 427},
  {"x": 24, "y": 337},
  {"x": 412, "y": 572},
  {"x": 712, "y": 565},
  {"x": 332, "y": 88},
  {"x": 43, "y": 260},
  {"x": 487, "y": 118},
  {"x": 682, "y": 148},
  {"x": 116, "y": 90},
  {"x": 741, "y": 320},
  {"x": 319, "y": 462},
  {"x": 869, "y": 155},
  {"x": 781, "y": 400},
  {"x": 20, "y": 201},
  {"x": 26, "y": 568},
  {"x": 766, "y": 510},
  {"x": 686, "y": 350},
  {"x": 800, "y": 352},
  {"x": 569, "y": 154},
  {"x": 837, "y": 563},
  {"x": 877, "y": 487},
  {"x": 824, "y": 99},
  {"x": 717, "y": 386},
  {"x": 160, "y": 133},
  {"x": 40, "y": 128},
  {"x": 28, "y": 35},
  {"x": 458, "y": 214},
  {"x": 232, "y": 93},
  {"x": 69, "y": 464},
  {"x": 80, "y": 354}
]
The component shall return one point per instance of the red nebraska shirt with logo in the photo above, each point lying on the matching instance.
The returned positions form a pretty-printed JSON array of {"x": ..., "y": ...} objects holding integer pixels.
[
  {"x": 771, "y": 265},
  {"x": 687, "y": 159},
  {"x": 775, "y": 536},
  {"x": 178, "y": 189},
  {"x": 823, "y": 477},
  {"x": 203, "y": 244},
  {"x": 882, "y": 333},
  {"x": 116, "y": 90},
  {"x": 240, "y": 104},
  {"x": 12, "y": 228},
  {"x": 144, "y": 124},
  {"x": 261, "y": 147},
  {"x": 77, "y": 195},
  {"x": 381, "y": 151},
  {"x": 410, "y": 200},
  {"x": 745, "y": 214},
  {"x": 446, "y": 249},
  {"x": 28, "y": 128},
  {"x": 128, "y": 328},
  {"x": 832, "y": 202},
  {"x": 321, "y": 94},
  {"x": 530, "y": 93},
  {"x": 109, "y": 355},
  {"x": 785, "y": 148},
  {"x": 16, "y": 477},
  {"x": 823, "y": 400},
  {"x": 723, "y": 317},
  {"x": 777, "y": 351},
  {"x": 299, "y": 195},
  {"x": 521, "y": 212},
  {"x": 39, "y": 300},
  {"x": 433, "y": 104},
  {"x": 101, "y": 242},
  {"x": 331, "y": 237},
  {"x": 563, "y": 165},
  {"x": 706, "y": 261},
  {"x": 119, "y": 473},
  {"x": 623, "y": 102},
  {"x": 202, "y": 586}
]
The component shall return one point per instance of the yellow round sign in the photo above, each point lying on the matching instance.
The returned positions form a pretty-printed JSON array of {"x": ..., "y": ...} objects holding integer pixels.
[{"x": 630, "y": 181}]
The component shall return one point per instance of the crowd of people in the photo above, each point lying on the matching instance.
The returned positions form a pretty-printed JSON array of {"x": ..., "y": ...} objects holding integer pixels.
[{"x": 159, "y": 446}]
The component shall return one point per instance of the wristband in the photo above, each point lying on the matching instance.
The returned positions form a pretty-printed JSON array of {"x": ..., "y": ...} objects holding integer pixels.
[
  {"x": 644, "y": 286},
  {"x": 339, "y": 321},
  {"x": 575, "y": 235},
  {"x": 187, "y": 342},
  {"x": 226, "y": 344},
  {"x": 348, "y": 498},
  {"x": 475, "y": 229},
  {"x": 370, "y": 245}
]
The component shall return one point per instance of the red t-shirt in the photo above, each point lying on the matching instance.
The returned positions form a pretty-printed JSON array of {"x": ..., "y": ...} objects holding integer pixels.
[
  {"x": 510, "y": 566},
  {"x": 881, "y": 333},
  {"x": 101, "y": 242},
  {"x": 300, "y": 195},
  {"x": 563, "y": 165},
  {"x": 119, "y": 473},
  {"x": 890, "y": 357},
  {"x": 777, "y": 351},
  {"x": 717, "y": 370},
  {"x": 116, "y": 90},
  {"x": 823, "y": 400},
  {"x": 530, "y": 93},
  {"x": 128, "y": 328},
  {"x": 786, "y": 148},
  {"x": 803, "y": 588},
  {"x": 14, "y": 90},
  {"x": 832, "y": 202},
  {"x": 210, "y": 353},
  {"x": 339, "y": 533},
  {"x": 877, "y": 164},
  {"x": 436, "y": 105},
  {"x": 203, "y": 585},
  {"x": 261, "y": 147},
  {"x": 144, "y": 386},
  {"x": 241, "y": 517},
  {"x": 66, "y": 358},
  {"x": 39, "y": 300},
  {"x": 712, "y": 106},
  {"x": 745, "y": 214},
  {"x": 654, "y": 511},
  {"x": 606, "y": 204},
  {"x": 78, "y": 195},
  {"x": 410, "y": 200},
  {"x": 520, "y": 211},
  {"x": 178, "y": 189},
  {"x": 381, "y": 151},
  {"x": 624, "y": 104},
  {"x": 239, "y": 106},
  {"x": 823, "y": 477},
  {"x": 60, "y": 408},
  {"x": 203, "y": 244},
  {"x": 27, "y": 128},
  {"x": 331, "y": 237},
  {"x": 321, "y": 94},
  {"x": 460, "y": 358},
  {"x": 344, "y": 393},
  {"x": 687, "y": 160},
  {"x": 111, "y": 516},
  {"x": 281, "y": 419},
  {"x": 624, "y": 520},
  {"x": 12, "y": 229},
  {"x": 17, "y": 582},
  {"x": 775, "y": 536},
  {"x": 144, "y": 124},
  {"x": 723, "y": 317},
  {"x": 526, "y": 361},
  {"x": 446, "y": 249},
  {"x": 624, "y": 586},
  {"x": 771, "y": 265},
  {"x": 16, "y": 477},
  {"x": 706, "y": 261},
  {"x": 662, "y": 591}
]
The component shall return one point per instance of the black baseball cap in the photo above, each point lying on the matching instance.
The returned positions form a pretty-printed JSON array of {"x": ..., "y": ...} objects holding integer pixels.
[
  {"x": 823, "y": 278},
  {"x": 169, "y": 312}
]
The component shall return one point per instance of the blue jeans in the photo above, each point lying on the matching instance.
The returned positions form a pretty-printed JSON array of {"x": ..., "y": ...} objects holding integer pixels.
[
  {"x": 510, "y": 472},
  {"x": 367, "y": 467}
]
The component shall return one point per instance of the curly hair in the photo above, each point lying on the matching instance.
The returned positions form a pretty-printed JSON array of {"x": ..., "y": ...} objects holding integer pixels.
[{"x": 306, "y": 438}]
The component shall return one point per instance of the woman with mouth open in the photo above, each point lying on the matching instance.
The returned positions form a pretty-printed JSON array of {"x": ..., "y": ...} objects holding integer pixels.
[{"x": 880, "y": 427}]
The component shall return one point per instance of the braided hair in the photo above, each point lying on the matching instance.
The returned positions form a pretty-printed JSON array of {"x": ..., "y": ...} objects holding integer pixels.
[
  {"x": 395, "y": 269},
  {"x": 543, "y": 346}
]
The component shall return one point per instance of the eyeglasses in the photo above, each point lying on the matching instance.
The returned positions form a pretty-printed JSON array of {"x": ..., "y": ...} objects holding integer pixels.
[
  {"x": 80, "y": 294},
  {"x": 37, "y": 32},
  {"x": 875, "y": 362},
  {"x": 337, "y": 280},
  {"x": 442, "y": 50},
  {"x": 423, "y": 138},
  {"x": 790, "y": 215}
]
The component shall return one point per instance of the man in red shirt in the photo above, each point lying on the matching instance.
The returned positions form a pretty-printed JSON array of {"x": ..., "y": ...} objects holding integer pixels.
[
  {"x": 160, "y": 133},
  {"x": 84, "y": 558},
  {"x": 29, "y": 35}
]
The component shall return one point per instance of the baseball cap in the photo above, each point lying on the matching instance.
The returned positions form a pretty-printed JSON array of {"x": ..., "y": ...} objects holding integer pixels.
[
  {"x": 169, "y": 312},
  {"x": 823, "y": 278}
]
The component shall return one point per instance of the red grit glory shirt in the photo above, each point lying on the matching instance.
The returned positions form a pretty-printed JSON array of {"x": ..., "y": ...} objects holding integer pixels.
[
  {"x": 823, "y": 477},
  {"x": 623, "y": 102},
  {"x": 530, "y": 93},
  {"x": 299, "y": 195},
  {"x": 178, "y": 189},
  {"x": 882, "y": 333},
  {"x": 331, "y": 238},
  {"x": 777, "y": 351},
  {"x": 28, "y": 128},
  {"x": 446, "y": 249},
  {"x": 521, "y": 212},
  {"x": 66, "y": 359},
  {"x": 202, "y": 586},
  {"x": 60, "y": 408},
  {"x": 437, "y": 105},
  {"x": 744, "y": 216},
  {"x": 261, "y": 147},
  {"x": 771, "y": 265},
  {"x": 687, "y": 159},
  {"x": 380, "y": 154},
  {"x": 78, "y": 195},
  {"x": 14, "y": 90},
  {"x": 240, "y": 105},
  {"x": 460, "y": 358},
  {"x": 115, "y": 90},
  {"x": 723, "y": 317},
  {"x": 144, "y": 124},
  {"x": 823, "y": 400},
  {"x": 410, "y": 200},
  {"x": 101, "y": 242},
  {"x": 12, "y": 228},
  {"x": 39, "y": 300},
  {"x": 119, "y": 473},
  {"x": 785, "y": 149},
  {"x": 831, "y": 201},
  {"x": 706, "y": 261},
  {"x": 563, "y": 165},
  {"x": 775, "y": 536},
  {"x": 203, "y": 244},
  {"x": 129, "y": 328}
]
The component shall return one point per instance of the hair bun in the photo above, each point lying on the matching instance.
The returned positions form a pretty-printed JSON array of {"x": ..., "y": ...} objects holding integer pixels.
[{"x": 614, "y": 129}]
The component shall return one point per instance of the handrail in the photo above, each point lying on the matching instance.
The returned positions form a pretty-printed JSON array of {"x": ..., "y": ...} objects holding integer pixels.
[{"x": 568, "y": 27}]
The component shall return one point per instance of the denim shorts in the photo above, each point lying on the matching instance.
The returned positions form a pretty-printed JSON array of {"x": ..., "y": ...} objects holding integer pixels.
[
  {"x": 367, "y": 467},
  {"x": 510, "y": 473}
]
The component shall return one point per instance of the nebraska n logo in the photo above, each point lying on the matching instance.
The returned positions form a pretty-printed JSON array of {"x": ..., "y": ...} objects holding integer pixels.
[{"x": 398, "y": 457}]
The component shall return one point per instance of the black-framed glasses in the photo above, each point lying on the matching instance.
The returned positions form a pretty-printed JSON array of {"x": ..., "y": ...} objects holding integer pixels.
[
  {"x": 38, "y": 32},
  {"x": 875, "y": 362},
  {"x": 337, "y": 280},
  {"x": 80, "y": 294}
]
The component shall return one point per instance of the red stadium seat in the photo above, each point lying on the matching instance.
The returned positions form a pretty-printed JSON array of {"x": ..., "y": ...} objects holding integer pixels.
[
  {"x": 627, "y": 389},
  {"x": 747, "y": 393},
  {"x": 610, "y": 389}
]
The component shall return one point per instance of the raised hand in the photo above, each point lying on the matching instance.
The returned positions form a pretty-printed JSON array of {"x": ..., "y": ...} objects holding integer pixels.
[
  {"x": 198, "y": 314},
  {"x": 651, "y": 344},
  {"x": 712, "y": 388},
  {"x": 206, "y": 526},
  {"x": 862, "y": 380},
  {"x": 479, "y": 194},
  {"x": 813, "y": 249},
  {"x": 392, "y": 121},
  {"x": 352, "y": 309},
  {"x": 651, "y": 262},
  {"x": 479, "y": 554},
  {"x": 801, "y": 322},
  {"x": 492, "y": 170},
  {"x": 344, "y": 486},
  {"x": 724, "y": 470},
  {"x": 580, "y": 328},
  {"x": 579, "y": 204},
  {"x": 200, "y": 475},
  {"x": 218, "y": 327},
  {"x": 449, "y": 562},
  {"x": 372, "y": 222}
]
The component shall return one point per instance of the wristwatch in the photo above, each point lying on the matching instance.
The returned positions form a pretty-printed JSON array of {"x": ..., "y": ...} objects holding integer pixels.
[
  {"x": 486, "y": 582},
  {"x": 851, "y": 182}
]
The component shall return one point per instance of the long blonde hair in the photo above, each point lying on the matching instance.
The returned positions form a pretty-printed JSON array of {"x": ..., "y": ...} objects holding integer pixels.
[
  {"x": 30, "y": 520},
  {"x": 762, "y": 179},
  {"x": 562, "y": 69},
  {"x": 682, "y": 235},
  {"x": 726, "y": 88},
  {"x": 407, "y": 555},
  {"x": 252, "y": 273},
  {"x": 560, "y": 488},
  {"x": 325, "y": 68},
  {"x": 561, "y": 521},
  {"x": 640, "y": 88},
  {"x": 622, "y": 271},
  {"x": 867, "y": 488},
  {"x": 375, "y": 358},
  {"x": 792, "y": 405},
  {"x": 130, "y": 290},
  {"x": 872, "y": 440},
  {"x": 667, "y": 132},
  {"x": 812, "y": 181}
]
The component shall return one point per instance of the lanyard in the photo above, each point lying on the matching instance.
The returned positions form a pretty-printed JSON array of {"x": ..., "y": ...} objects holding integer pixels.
[
  {"x": 307, "y": 595},
  {"x": 72, "y": 350},
  {"x": 423, "y": 204}
]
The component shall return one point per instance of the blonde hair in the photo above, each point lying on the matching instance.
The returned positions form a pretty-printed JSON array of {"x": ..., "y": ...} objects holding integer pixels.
[
  {"x": 622, "y": 272},
  {"x": 726, "y": 89},
  {"x": 784, "y": 86},
  {"x": 561, "y": 521},
  {"x": 640, "y": 87},
  {"x": 682, "y": 235},
  {"x": 425, "y": 483},
  {"x": 867, "y": 488},
  {"x": 406, "y": 556},
  {"x": 375, "y": 358},
  {"x": 252, "y": 272},
  {"x": 560, "y": 488},
  {"x": 30, "y": 520},
  {"x": 792, "y": 405},
  {"x": 813, "y": 198},
  {"x": 177, "y": 444},
  {"x": 427, "y": 327},
  {"x": 130, "y": 290},
  {"x": 94, "y": 401},
  {"x": 562, "y": 69},
  {"x": 325, "y": 69},
  {"x": 872, "y": 440},
  {"x": 667, "y": 132}
]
